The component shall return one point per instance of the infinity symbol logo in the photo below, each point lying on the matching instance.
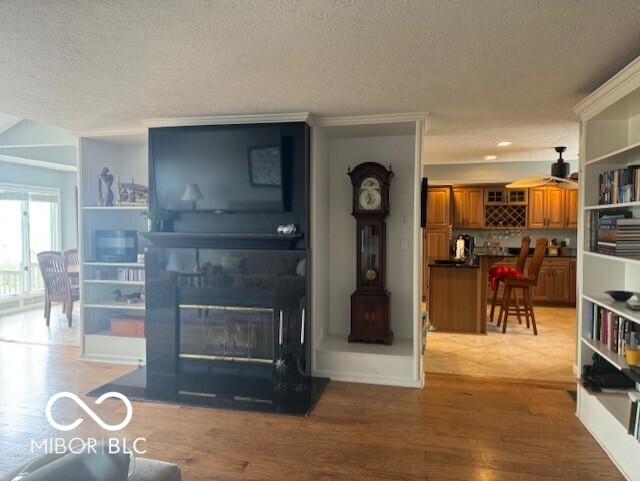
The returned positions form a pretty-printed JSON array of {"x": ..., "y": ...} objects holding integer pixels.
[{"x": 88, "y": 410}]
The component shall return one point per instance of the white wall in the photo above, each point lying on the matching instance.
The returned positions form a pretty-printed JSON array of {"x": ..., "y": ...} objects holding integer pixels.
[
  {"x": 399, "y": 151},
  {"x": 321, "y": 222}
]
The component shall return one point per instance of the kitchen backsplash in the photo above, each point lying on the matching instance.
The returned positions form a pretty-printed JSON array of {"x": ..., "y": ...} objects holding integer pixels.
[{"x": 513, "y": 238}]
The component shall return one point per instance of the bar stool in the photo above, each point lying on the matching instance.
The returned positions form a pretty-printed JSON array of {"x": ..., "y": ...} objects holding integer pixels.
[
  {"x": 498, "y": 273},
  {"x": 512, "y": 284}
]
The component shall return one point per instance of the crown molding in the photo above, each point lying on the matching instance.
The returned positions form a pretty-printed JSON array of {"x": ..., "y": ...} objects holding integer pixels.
[
  {"x": 112, "y": 131},
  {"x": 308, "y": 117},
  {"x": 618, "y": 86},
  {"x": 370, "y": 119},
  {"x": 228, "y": 119},
  {"x": 43, "y": 164}
]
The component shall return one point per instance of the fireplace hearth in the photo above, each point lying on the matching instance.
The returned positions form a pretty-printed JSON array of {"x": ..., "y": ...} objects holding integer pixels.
[
  {"x": 217, "y": 388},
  {"x": 223, "y": 328}
]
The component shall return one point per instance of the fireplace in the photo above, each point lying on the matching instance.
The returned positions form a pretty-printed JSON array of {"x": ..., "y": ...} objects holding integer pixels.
[
  {"x": 228, "y": 325},
  {"x": 223, "y": 324}
]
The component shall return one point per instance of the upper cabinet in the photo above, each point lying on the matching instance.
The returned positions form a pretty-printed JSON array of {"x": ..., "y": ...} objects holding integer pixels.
[
  {"x": 468, "y": 207},
  {"x": 552, "y": 208},
  {"x": 571, "y": 207},
  {"x": 505, "y": 208},
  {"x": 438, "y": 207}
]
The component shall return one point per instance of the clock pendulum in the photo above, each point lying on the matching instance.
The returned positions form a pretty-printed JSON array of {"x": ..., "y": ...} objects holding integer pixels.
[{"x": 370, "y": 302}]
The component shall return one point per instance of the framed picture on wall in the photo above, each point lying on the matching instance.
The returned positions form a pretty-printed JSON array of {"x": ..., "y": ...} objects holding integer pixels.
[{"x": 265, "y": 166}]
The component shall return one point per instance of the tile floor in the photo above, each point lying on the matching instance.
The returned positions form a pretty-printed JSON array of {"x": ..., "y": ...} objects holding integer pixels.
[
  {"x": 549, "y": 356},
  {"x": 30, "y": 326}
]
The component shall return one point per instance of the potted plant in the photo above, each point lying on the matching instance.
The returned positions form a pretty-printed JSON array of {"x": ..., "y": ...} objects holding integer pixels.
[{"x": 159, "y": 220}]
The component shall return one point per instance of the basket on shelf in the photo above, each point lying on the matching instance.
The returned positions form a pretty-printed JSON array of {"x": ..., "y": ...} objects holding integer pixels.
[{"x": 131, "y": 194}]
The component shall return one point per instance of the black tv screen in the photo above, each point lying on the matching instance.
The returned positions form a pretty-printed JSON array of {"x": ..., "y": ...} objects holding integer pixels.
[{"x": 235, "y": 168}]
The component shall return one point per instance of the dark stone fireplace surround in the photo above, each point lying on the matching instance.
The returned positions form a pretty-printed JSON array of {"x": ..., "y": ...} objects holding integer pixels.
[
  {"x": 185, "y": 322},
  {"x": 269, "y": 276},
  {"x": 239, "y": 278}
]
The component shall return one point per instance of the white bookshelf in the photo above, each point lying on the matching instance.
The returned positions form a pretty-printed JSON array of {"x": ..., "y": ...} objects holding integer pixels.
[
  {"x": 610, "y": 140},
  {"x": 125, "y": 153}
]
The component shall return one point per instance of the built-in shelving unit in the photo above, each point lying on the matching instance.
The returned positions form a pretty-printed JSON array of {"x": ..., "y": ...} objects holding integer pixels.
[
  {"x": 125, "y": 153},
  {"x": 610, "y": 140}
]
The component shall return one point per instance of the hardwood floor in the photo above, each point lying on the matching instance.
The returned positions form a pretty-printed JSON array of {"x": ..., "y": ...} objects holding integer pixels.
[{"x": 456, "y": 428}]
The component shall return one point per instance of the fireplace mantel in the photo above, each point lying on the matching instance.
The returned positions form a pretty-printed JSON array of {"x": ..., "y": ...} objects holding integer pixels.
[{"x": 226, "y": 240}]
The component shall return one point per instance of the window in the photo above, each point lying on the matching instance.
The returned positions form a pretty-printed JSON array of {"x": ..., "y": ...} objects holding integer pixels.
[{"x": 29, "y": 223}]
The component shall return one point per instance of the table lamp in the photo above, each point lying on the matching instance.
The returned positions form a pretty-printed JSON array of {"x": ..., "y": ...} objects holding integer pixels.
[{"x": 192, "y": 193}]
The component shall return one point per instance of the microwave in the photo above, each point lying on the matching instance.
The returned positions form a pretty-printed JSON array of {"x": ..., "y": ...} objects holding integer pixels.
[{"x": 116, "y": 245}]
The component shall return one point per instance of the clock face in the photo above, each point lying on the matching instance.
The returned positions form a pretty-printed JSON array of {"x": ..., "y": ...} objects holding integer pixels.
[{"x": 370, "y": 197}]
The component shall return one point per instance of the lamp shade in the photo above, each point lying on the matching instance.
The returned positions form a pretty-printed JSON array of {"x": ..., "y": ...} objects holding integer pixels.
[{"x": 192, "y": 192}]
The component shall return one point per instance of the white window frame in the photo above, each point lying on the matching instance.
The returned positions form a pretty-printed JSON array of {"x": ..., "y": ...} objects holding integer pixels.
[{"x": 56, "y": 237}]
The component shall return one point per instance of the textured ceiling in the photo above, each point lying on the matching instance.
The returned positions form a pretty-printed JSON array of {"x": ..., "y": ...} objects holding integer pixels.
[{"x": 487, "y": 70}]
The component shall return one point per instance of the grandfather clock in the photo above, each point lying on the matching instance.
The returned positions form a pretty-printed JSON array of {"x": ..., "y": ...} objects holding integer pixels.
[{"x": 370, "y": 301}]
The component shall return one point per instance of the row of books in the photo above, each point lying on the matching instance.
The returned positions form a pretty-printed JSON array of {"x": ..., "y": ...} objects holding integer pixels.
[
  {"x": 610, "y": 329},
  {"x": 130, "y": 274},
  {"x": 619, "y": 236},
  {"x": 619, "y": 186},
  {"x": 634, "y": 416}
]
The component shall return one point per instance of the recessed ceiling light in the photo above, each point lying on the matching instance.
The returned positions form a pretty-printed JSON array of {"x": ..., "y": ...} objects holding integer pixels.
[
  {"x": 490, "y": 157},
  {"x": 504, "y": 143}
]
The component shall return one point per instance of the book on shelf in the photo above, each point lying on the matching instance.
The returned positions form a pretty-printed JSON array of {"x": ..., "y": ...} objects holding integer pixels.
[
  {"x": 634, "y": 415},
  {"x": 619, "y": 186},
  {"x": 618, "y": 235},
  {"x": 131, "y": 274},
  {"x": 612, "y": 330}
]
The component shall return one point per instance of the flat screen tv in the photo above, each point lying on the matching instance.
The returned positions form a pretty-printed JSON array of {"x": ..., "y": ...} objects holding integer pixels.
[{"x": 236, "y": 168}]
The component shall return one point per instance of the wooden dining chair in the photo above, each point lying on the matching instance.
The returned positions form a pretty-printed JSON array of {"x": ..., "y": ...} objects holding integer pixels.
[
  {"x": 496, "y": 275},
  {"x": 57, "y": 286},
  {"x": 525, "y": 284},
  {"x": 73, "y": 266}
]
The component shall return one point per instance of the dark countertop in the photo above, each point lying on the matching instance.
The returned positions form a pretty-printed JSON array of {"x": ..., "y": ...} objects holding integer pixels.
[
  {"x": 486, "y": 254},
  {"x": 456, "y": 266}
]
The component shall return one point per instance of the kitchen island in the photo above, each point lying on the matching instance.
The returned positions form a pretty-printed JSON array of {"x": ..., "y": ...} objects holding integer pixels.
[
  {"x": 455, "y": 302},
  {"x": 458, "y": 293}
]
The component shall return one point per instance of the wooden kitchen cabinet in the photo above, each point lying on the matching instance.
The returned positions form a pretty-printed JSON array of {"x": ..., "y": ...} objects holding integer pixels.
[
  {"x": 558, "y": 280},
  {"x": 439, "y": 207},
  {"x": 437, "y": 234},
  {"x": 571, "y": 208},
  {"x": 541, "y": 289},
  {"x": 468, "y": 207},
  {"x": 547, "y": 208},
  {"x": 572, "y": 281},
  {"x": 435, "y": 244},
  {"x": 554, "y": 281}
]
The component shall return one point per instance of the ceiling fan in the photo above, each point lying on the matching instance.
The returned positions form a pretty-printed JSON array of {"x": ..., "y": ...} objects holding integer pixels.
[{"x": 559, "y": 176}]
